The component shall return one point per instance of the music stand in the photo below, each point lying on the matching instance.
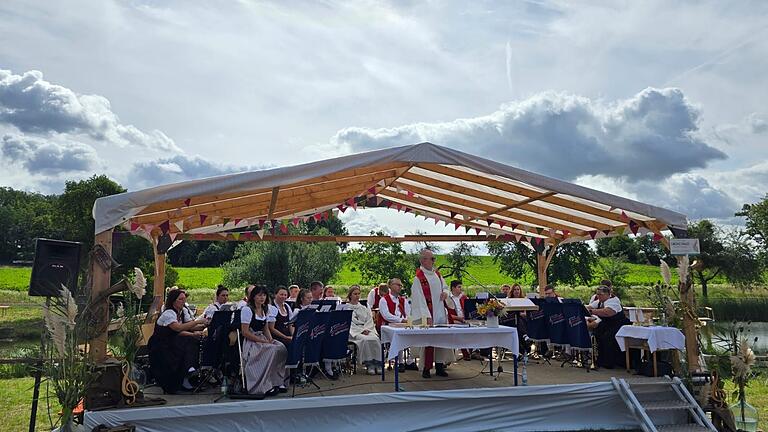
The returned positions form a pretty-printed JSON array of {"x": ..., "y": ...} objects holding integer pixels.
[
  {"x": 337, "y": 335},
  {"x": 318, "y": 328},
  {"x": 328, "y": 305},
  {"x": 576, "y": 330},
  {"x": 295, "y": 359},
  {"x": 212, "y": 357}
]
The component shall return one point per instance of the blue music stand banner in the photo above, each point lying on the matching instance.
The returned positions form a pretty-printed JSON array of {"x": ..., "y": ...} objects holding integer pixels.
[
  {"x": 337, "y": 336},
  {"x": 318, "y": 327},
  {"x": 553, "y": 311},
  {"x": 301, "y": 325},
  {"x": 576, "y": 326},
  {"x": 538, "y": 329}
]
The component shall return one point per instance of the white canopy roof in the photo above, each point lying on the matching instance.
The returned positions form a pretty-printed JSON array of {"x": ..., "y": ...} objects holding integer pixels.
[{"x": 427, "y": 179}]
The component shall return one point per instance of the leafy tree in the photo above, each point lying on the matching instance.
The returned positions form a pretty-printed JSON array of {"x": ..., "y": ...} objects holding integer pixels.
[
  {"x": 332, "y": 225},
  {"x": 651, "y": 252},
  {"x": 743, "y": 267},
  {"x": 24, "y": 216},
  {"x": 74, "y": 207},
  {"x": 283, "y": 263},
  {"x": 615, "y": 269},
  {"x": 713, "y": 257},
  {"x": 619, "y": 245},
  {"x": 757, "y": 226},
  {"x": 379, "y": 261},
  {"x": 459, "y": 259},
  {"x": 572, "y": 263}
]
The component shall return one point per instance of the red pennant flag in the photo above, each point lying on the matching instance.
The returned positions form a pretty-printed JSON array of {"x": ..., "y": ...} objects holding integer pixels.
[
  {"x": 187, "y": 202},
  {"x": 477, "y": 231},
  {"x": 261, "y": 223},
  {"x": 317, "y": 217},
  {"x": 165, "y": 226},
  {"x": 453, "y": 215},
  {"x": 633, "y": 226},
  {"x": 513, "y": 226},
  {"x": 501, "y": 223},
  {"x": 398, "y": 206},
  {"x": 134, "y": 226},
  {"x": 341, "y": 208},
  {"x": 566, "y": 233},
  {"x": 457, "y": 225},
  {"x": 490, "y": 221},
  {"x": 350, "y": 202},
  {"x": 624, "y": 216},
  {"x": 409, "y": 193},
  {"x": 407, "y": 209},
  {"x": 657, "y": 237},
  {"x": 592, "y": 234},
  {"x": 607, "y": 232},
  {"x": 237, "y": 221},
  {"x": 203, "y": 218},
  {"x": 284, "y": 228},
  {"x": 296, "y": 222},
  {"x": 372, "y": 191}
]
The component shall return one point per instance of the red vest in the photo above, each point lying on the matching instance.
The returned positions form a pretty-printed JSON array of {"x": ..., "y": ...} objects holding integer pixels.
[
  {"x": 392, "y": 307},
  {"x": 452, "y": 312},
  {"x": 376, "y": 298},
  {"x": 425, "y": 287}
]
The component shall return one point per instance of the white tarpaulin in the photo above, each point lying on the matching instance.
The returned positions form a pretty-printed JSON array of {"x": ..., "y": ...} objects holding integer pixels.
[
  {"x": 568, "y": 407},
  {"x": 545, "y": 203},
  {"x": 454, "y": 337}
]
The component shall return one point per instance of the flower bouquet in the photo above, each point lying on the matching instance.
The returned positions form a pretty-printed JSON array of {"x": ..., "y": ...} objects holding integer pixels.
[{"x": 492, "y": 310}]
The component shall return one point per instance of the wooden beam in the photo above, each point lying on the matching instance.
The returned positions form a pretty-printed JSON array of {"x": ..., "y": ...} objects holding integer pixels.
[
  {"x": 341, "y": 239},
  {"x": 273, "y": 202},
  {"x": 479, "y": 208},
  {"x": 244, "y": 204},
  {"x": 100, "y": 283},
  {"x": 507, "y": 187},
  {"x": 522, "y": 205},
  {"x": 204, "y": 199},
  {"x": 158, "y": 284}
]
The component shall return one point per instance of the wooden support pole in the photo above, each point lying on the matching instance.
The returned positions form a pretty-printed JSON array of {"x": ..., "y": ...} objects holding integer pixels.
[
  {"x": 690, "y": 321},
  {"x": 542, "y": 263},
  {"x": 100, "y": 282},
  {"x": 158, "y": 283}
]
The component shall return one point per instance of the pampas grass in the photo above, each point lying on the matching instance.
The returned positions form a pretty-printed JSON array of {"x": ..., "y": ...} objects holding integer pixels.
[{"x": 666, "y": 274}]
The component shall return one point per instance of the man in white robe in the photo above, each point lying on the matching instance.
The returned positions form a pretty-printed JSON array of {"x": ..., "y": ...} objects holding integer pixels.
[{"x": 431, "y": 309}]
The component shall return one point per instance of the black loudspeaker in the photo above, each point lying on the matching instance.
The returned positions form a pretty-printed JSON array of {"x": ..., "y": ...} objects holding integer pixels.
[{"x": 57, "y": 263}]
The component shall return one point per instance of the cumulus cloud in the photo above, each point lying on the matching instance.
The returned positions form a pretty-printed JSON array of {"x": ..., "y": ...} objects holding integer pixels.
[
  {"x": 690, "y": 194},
  {"x": 33, "y": 105},
  {"x": 177, "y": 169},
  {"x": 47, "y": 157},
  {"x": 654, "y": 134},
  {"x": 757, "y": 123}
]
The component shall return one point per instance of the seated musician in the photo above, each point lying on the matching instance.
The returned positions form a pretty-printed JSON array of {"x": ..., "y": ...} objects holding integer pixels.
[
  {"x": 375, "y": 295},
  {"x": 362, "y": 333},
  {"x": 549, "y": 292},
  {"x": 520, "y": 320},
  {"x": 242, "y": 303},
  {"x": 293, "y": 291},
  {"x": 316, "y": 289},
  {"x": 394, "y": 308},
  {"x": 604, "y": 282},
  {"x": 222, "y": 297},
  {"x": 282, "y": 313},
  {"x": 505, "y": 289},
  {"x": 456, "y": 315},
  {"x": 328, "y": 292},
  {"x": 303, "y": 299},
  {"x": 174, "y": 346},
  {"x": 608, "y": 319},
  {"x": 263, "y": 357}
]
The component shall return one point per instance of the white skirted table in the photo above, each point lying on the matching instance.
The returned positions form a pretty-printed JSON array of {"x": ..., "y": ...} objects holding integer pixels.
[
  {"x": 400, "y": 338},
  {"x": 652, "y": 339}
]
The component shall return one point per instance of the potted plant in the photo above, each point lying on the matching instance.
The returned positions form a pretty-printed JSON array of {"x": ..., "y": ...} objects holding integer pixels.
[
  {"x": 130, "y": 332},
  {"x": 745, "y": 415}
]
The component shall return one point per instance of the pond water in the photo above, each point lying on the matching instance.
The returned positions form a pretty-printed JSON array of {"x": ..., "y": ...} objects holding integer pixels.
[{"x": 756, "y": 329}]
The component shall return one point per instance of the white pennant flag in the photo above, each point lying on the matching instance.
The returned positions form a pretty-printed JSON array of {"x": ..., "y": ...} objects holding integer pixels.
[
  {"x": 179, "y": 225},
  {"x": 260, "y": 233}
]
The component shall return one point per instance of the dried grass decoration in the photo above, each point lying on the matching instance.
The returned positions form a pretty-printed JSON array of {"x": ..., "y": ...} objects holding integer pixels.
[{"x": 66, "y": 366}]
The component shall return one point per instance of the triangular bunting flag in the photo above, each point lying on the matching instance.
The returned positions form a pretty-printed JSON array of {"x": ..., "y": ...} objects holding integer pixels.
[
  {"x": 148, "y": 228},
  {"x": 180, "y": 225},
  {"x": 477, "y": 231},
  {"x": 381, "y": 183},
  {"x": 372, "y": 191},
  {"x": 165, "y": 227},
  {"x": 187, "y": 202},
  {"x": 407, "y": 210},
  {"x": 317, "y": 217},
  {"x": 657, "y": 237},
  {"x": 350, "y": 202},
  {"x": 134, "y": 226},
  {"x": 607, "y": 232},
  {"x": 513, "y": 226},
  {"x": 296, "y": 222},
  {"x": 248, "y": 235},
  {"x": 237, "y": 221},
  {"x": 173, "y": 236},
  {"x": 215, "y": 219},
  {"x": 539, "y": 230},
  {"x": 261, "y": 223},
  {"x": 410, "y": 194},
  {"x": 467, "y": 228},
  {"x": 592, "y": 234},
  {"x": 566, "y": 233},
  {"x": 457, "y": 225},
  {"x": 624, "y": 216},
  {"x": 236, "y": 236},
  {"x": 489, "y": 221},
  {"x": 260, "y": 233},
  {"x": 341, "y": 208},
  {"x": 273, "y": 223},
  {"x": 501, "y": 223},
  {"x": 225, "y": 220},
  {"x": 436, "y": 221},
  {"x": 284, "y": 228},
  {"x": 453, "y": 215}
]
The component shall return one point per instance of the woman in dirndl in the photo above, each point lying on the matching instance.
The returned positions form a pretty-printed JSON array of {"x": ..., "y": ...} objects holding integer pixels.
[{"x": 263, "y": 357}]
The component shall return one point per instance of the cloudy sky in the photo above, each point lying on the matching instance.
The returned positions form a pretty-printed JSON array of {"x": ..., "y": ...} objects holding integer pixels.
[{"x": 664, "y": 102}]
